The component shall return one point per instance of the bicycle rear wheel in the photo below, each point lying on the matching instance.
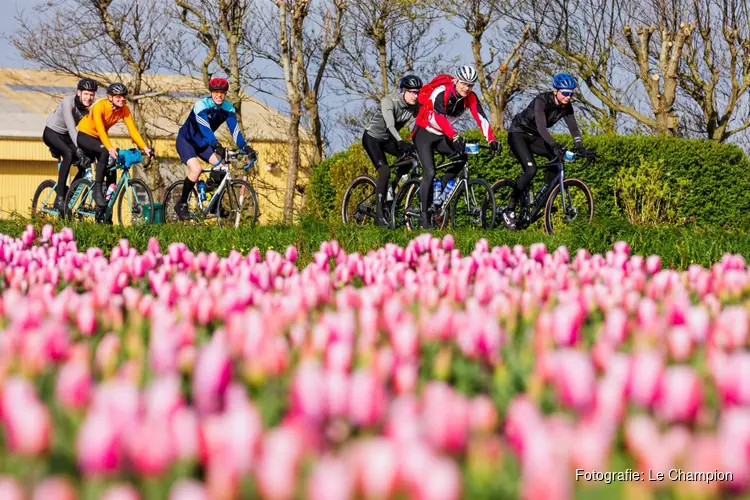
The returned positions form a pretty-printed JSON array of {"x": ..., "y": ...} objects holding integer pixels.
[
  {"x": 44, "y": 198},
  {"x": 172, "y": 197},
  {"x": 139, "y": 201},
  {"x": 473, "y": 205},
  {"x": 579, "y": 205},
  {"x": 360, "y": 202},
  {"x": 240, "y": 205}
]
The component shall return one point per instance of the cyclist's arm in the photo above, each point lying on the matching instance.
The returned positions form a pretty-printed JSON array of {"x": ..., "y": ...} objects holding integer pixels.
[
  {"x": 570, "y": 121},
  {"x": 439, "y": 113},
  {"x": 234, "y": 128},
  {"x": 133, "y": 130},
  {"x": 70, "y": 122},
  {"x": 386, "y": 108},
  {"x": 101, "y": 131},
  {"x": 540, "y": 117},
  {"x": 481, "y": 118}
]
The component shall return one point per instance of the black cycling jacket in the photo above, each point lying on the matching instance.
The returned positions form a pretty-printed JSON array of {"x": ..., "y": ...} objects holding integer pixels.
[{"x": 541, "y": 114}]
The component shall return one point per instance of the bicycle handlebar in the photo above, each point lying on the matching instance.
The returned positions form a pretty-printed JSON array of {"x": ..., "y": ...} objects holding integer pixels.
[{"x": 236, "y": 153}]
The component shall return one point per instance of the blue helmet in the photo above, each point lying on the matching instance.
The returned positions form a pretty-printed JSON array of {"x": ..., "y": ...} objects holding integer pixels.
[{"x": 564, "y": 81}]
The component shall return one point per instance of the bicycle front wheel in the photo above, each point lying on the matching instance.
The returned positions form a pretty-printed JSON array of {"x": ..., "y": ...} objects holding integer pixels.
[
  {"x": 360, "y": 201},
  {"x": 238, "y": 205},
  {"x": 79, "y": 201},
  {"x": 473, "y": 205},
  {"x": 576, "y": 208},
  {"x": 406, "y": 210},
  {"x": 139, "y": 204}
]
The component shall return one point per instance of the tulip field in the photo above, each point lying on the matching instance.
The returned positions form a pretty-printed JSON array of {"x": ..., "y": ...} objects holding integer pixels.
[{"x": 413, "y": 371}]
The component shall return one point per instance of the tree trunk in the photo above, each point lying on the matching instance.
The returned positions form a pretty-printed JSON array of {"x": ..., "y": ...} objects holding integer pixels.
[
  {"x": 313, "y": 111},
  {"x": 497, "y": 114},
  {"x": 294, "y": 156}
]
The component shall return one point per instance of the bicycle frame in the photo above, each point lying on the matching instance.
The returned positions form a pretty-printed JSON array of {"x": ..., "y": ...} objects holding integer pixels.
[
  {"x": 44, "y": 202},
  {"x": 205, "y": 211}
]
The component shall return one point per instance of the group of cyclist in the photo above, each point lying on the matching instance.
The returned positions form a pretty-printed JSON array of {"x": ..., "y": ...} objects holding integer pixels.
[
  {"x": 444, "y": 101},
  {"x": 78, "y": 128}
]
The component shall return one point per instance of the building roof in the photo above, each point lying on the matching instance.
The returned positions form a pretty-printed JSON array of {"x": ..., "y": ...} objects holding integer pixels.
[{"x": 27, "y": 96}]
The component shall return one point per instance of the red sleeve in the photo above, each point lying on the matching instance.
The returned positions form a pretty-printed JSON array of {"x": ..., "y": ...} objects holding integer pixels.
[
  {"x": 481, "y": 119},
  {"x": 438, "y": 115}
]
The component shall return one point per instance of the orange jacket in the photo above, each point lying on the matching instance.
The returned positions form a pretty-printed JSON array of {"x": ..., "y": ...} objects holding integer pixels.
[{"x": 102, "y": 116}]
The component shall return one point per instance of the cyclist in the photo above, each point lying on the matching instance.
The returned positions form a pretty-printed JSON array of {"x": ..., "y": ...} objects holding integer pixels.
[
  {"x": 60, "y": 133},
  {"x": 381, "y": 134},
  {"x": 93, "y": 138},
  {"x": 434, "y": 128},
  {"x": 529, "y": 134},
  {"x": 196, "y": 138}
]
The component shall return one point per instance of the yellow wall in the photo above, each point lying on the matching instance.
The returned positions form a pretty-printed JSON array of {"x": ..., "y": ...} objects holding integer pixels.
[{"x": 24, "y": 163}]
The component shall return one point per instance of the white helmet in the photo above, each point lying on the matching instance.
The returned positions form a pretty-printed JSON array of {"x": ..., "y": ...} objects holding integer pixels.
[{"x": 466, "y": 74}]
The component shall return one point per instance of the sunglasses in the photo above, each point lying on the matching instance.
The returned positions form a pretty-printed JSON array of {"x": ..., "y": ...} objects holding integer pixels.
[{"x": 566, "y": 93}]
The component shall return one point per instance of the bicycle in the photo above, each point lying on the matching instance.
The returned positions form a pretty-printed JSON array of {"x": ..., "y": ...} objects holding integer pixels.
[
  {"x": 576, "y": 200},
  {"x": 358, "y": 209},
  {"x": 45, "y": 194},
  {"x": 472, "y": 195},
  {"x": 214, "y": 207},
  {"x": 79, "y": 201}
]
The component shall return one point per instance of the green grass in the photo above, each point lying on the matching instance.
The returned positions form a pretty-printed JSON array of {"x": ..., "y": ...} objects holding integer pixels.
[{"x": 679, "y": 247}]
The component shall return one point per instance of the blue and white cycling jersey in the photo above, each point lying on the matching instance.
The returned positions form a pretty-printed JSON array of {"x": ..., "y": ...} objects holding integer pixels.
[{"x": 205, "y": 118}]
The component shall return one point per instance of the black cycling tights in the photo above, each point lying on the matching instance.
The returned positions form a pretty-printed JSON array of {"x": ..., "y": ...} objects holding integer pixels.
[
  {"x": 427, "y": 143},
  {"x": 523, "y": 147},
  {"x": 62, "y": 146},
  {"x": 94, "y": 148},
  {"x": 376, "y": 150}
]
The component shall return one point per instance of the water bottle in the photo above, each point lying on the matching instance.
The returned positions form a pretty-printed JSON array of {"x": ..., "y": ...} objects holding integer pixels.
[
  {"x": 88, "y": 175},
  {"x": 389, "y": 196},
  {"x": 202, "y": 191},
  {"x": 447, "y": 191},
  {"x": 437, "y": 186},
  {"x": 110, "y": 191}
]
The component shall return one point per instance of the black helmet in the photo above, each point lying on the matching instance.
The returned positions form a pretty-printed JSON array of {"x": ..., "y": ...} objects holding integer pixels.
[
  {"x": 87, "y": 84},
  {"x": 410, "y": 82},
  {"x": 117, "y": 88}
]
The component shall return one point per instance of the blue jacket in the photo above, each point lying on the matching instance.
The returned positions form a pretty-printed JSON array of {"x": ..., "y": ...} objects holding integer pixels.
[{"x": 205, "y": 118}]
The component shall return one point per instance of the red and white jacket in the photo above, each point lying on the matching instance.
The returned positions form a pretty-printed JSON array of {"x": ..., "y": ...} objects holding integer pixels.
[{"x": 446, "y": 107}]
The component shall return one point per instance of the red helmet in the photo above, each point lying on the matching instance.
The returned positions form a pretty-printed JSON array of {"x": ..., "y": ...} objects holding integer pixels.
[{"x": 218, "y": 84}]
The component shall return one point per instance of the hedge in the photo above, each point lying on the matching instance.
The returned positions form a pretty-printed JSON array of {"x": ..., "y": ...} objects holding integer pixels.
[{"x": 703, "y": 180}]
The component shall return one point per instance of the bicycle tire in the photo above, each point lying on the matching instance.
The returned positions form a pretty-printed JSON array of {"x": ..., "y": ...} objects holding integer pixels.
[
  {"x": 121, "y": 199},
  {"x": 408, "y": 220},
  {"x": 485, "y": 207},
  {"x": 170, "y": 215},
  {"x": 548, "y": 225},
  {"x": 45, "y": 184},
  {"x": 508, "y": 186},
  {"x": 85, "y": 196},
  {"x": 253, "y": 195},
  {"x": 360, "y": 180}
]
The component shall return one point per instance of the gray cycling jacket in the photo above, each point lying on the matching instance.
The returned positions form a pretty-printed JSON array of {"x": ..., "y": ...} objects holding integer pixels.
[
  {"x": 394, "y": 114},
  {"x": 65, "y": 118}
]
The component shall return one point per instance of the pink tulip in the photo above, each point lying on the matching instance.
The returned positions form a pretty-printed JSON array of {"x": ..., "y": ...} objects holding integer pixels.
[
  {"x": 54, "y": 488},
  {"x": 308, "y": 391},
  {"x": 188, "y": 489},
  {"x": 330, "y": 480},
  {"x": 11, "y": 489},
  {"x": 277, "y": 470},
  {"x": 74, "y": 385},
  {"x": 574, "y": 379},
  {"x": 441, "y": 482},
  {"x": 121, "y": 492},
  {"x": 681, "y": 394},
  {"x": 28, "y": 428},
  {"x": 150, "y": 447},
  {"x": 483, "y": 415},
  {"x": 646, "y": 368},
  {"x": 211, "y": 376},
  {"x": 378, "y": 471},
  {"x": 98, "y": 445},
  {"x": 367, "y": 399}
]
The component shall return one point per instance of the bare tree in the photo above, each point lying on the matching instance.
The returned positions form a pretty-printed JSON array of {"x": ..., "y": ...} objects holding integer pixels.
[
  {"x": 383, "y": 41},
  {"x": 589, "y": 34},
  {"x": 715, "y": 70},
  {"x": 300, "y": 41},
  {"x": 499, "y": 75},
  {"x": 219, "y": 26},
  {"x": 108, "y": 40}
]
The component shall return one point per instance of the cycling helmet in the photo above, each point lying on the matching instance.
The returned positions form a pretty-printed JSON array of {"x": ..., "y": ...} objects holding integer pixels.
[
  {"x": 87, "y": 84},
  {"x": 564, "y": 81},
  {"x": 117, "y": 88},
  {"x": 466, "y": 74},
  {"x": 410, "y": 82},
  {"x": 218, "y": 84}
]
